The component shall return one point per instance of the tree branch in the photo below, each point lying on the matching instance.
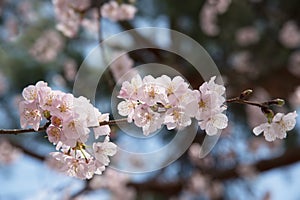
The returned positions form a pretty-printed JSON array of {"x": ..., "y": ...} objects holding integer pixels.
[
  {"x": 289, "y": 157},
  {"x": 44, "y": 128}
]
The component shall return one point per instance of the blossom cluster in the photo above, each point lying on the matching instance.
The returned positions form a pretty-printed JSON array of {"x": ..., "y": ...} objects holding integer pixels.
[
  {"x": 69, "y": 119},
  {"x": 277, "y": 127},
  {"x": 47, "y": 47},
  {"x": 152, "y": 102},
  {"x": 72, "y": 14},
  {"x": 118, "y": 12},
  {"x": 209, "y": 15},
  {"x": 69, "y": 15}
]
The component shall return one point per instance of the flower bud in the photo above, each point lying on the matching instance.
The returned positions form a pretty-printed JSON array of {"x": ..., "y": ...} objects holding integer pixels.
[
  {"x": 277, "y": 102},
  {"x": 245, "y": 93}
]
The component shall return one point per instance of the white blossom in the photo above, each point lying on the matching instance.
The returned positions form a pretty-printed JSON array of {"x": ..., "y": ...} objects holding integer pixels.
[{"x": 278, "y": 127}]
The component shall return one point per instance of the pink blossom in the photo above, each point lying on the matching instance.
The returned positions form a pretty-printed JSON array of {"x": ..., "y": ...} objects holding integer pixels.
[
  {"x": 115, "y": 12},
  {"x": 247, "y": 35},
  {"x": 152, "y": 102},
  {"x": 30, "y": 115},
  {"x": 208, "y": 20},
  {"x": 31, "y": 93},
  {"x": 177, "y": 118},
  {"x": 3, "y": 84},
  {"x": 47, "y": 47},
  {"x": 70, "y": 119},
  {"x": 289, "y": 35},
  {"x": 116, "y": 183},
  {"x": 54, "y": 134},
  {"x": 70, "y": 69},
  {"x": 8, "y": 153},
  {"x": 175, "y": 88},
  {"x": 102, "y": 130},
  {"x": 129, "y": 90},
  {"x": 295, "y": 98},
  {"x": 103, "y": 150},
  {"x": 221, "y": 5},
  {"x": 294, "y": 63},
  {"x": 126, "y": 108},
  {"x": 75, "y": 129},
  {"x": 278, "y": 127},
  {"x": 151, "y": 92},
  {"x": 12, "y": 28},
  {"x": 209, "y": 15},
  {"x": 121, "y": 66},
  {"x": 69, "y": 15},
  {"x": 148, "y": 120}
]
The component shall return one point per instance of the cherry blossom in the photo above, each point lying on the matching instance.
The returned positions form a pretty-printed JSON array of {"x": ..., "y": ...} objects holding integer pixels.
[
  {"x": 278, "y": 127},
  {"x": 103, "y": 150},
  {"x": 146, "y": 118},
  {"x": 118, "y": 12},
  {"x": 289, "y": 35},
  {"x": 208, "y": 107},
  {"x": 70, "y": 15},
  {"x": 70, "y": 119},
  {"x": 30, "y": 115},
  {"x": 209, "y": 15},
  {"x": 3, "y": 83},
  {"x": 79, "y": 162},
  {"x": 122, "y": 65},
  {"x": 129, "y": 90},
  {"x": 294, "y": 62},
  {"x": 8, "y": 153},
  {"x": 116, "y": 183},
  {"x": 47, "y": 47},
  {"x": 247, "y": 35},
  {"x": 152, "y": 102}
]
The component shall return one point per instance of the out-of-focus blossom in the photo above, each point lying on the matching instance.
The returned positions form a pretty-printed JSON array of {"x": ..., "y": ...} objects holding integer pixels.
[
  {"x": 198, "y": 183},
  {"x": 118, "y": 12},
  {"x": 47, "y": 47},
  {"x": 209, "y": 15},
  {"x": 59, "y": 80},
  {"x": 242, "y": 62},
  {"x": 70, "y": 69},
  {"x": 91, "y": 22},
  {"x": 194, "y": 154},
  {"x": 246, "y": 171},
  {"x": 3, "y": 84},
  {"x": 12, "y": 29},
  {"x": 116, "y": 183},
  {"x": 122, "y": 65},
  {"x": 294, "y": 63},
  {"x": 295, "y": 98},
  {"x": 247, "y": 35},
  {"x": 221, "y": 5},
  {"x": 278, "y": 127},
  {"x": 216, "y": 190},
  {"x": 27, "y": 12},
  {"x": 8, "y": 153},
  {"x": 208, "y": 20},
  {"x": 69, "y": 14},
  {"x": 289, "y": 35}
]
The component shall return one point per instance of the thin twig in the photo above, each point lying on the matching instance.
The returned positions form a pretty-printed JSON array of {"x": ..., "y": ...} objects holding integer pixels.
[
  {"x": 242, "y": 101},
  {"x": 44, "y": 128}
]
